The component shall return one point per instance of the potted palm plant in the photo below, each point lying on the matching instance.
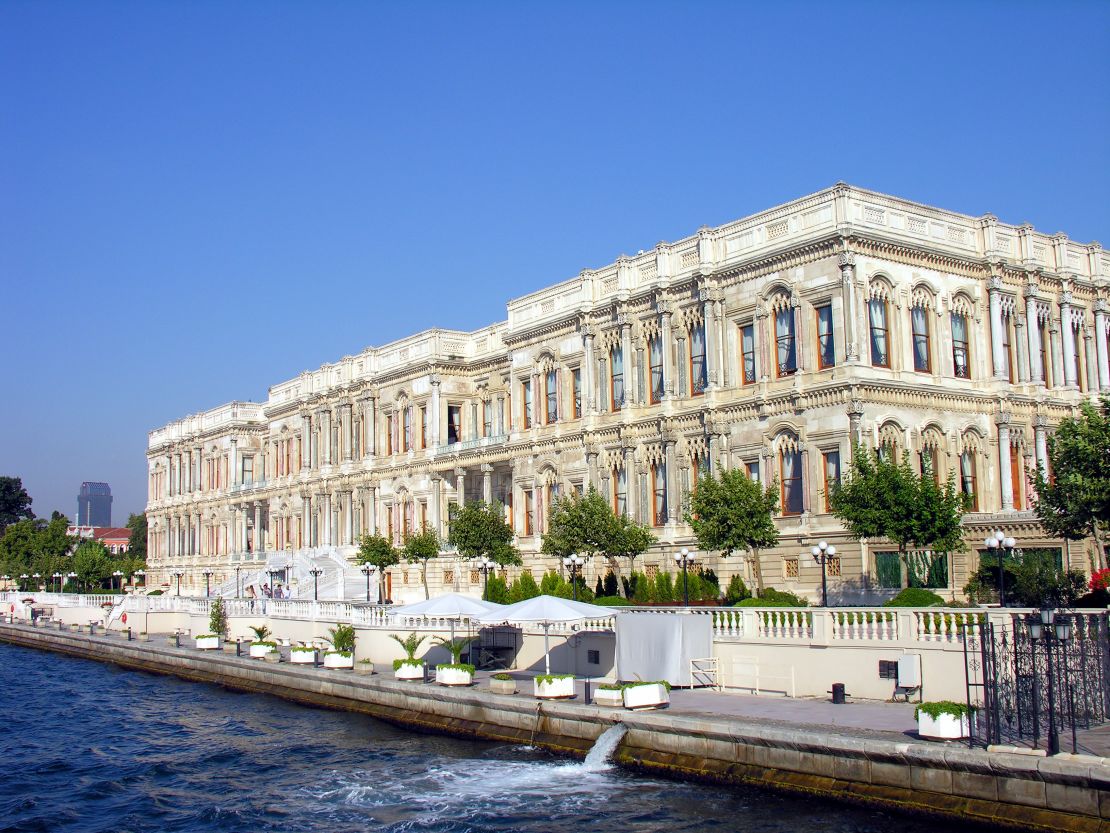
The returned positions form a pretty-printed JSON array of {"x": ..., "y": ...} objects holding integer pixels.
[
  {"x": 342, "y": 653},
  {"x": 261, "y": 646},
  {"x": 455, "y": 672},
  {"x": 943, "y": 720},
  {"x": 409, "y": 668}
]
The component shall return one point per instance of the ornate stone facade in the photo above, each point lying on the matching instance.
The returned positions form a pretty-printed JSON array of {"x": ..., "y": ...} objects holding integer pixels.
[{"x": 769, "y": 343}]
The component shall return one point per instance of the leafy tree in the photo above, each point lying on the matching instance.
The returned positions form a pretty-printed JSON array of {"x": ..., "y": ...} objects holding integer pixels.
[
  {"x": 36, "y": 546},
  {"x": 586, "y": 524},
  {"x": 1075, "y": 502},
  {"x": 731, "y": 512},
  {"x": 610, "y": 587},
  {"x": 497, "y": 590},
  {"x": 378, "y": 552},
  {"x": 136, "y": 543},
  {"x": 629, "y": 540},
  {"x": 523, "y": 588},
  {"x": 881, "y": 498},
  {"x": 91, "y": 563},
  {"x": 1031, "y": 581},
  {"x": 420, "y": 549},
  {"x": 479, "y": 528},
  {"x": 736, "y": 591},
  {"x": 217, "y": 617},
  {"x": 15, "y": 503}
]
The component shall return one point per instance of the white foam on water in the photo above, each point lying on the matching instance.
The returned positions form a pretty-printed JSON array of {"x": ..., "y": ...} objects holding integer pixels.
[{"x": 598, "y": 757}]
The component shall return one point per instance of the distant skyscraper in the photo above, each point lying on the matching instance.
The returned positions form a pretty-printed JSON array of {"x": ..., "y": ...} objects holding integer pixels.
[{"x": 94, "y": 504}]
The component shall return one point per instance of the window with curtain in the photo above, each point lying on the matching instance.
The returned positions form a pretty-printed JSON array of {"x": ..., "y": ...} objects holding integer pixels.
[
  {"x": 786, "y": 359},
  {"x": 1017, "y": 477},
  {"x": 967, "y": 479},
  {"x": 1046, "y": 365},
  {"x": 659, "y": 494},
  {"x": 408, "y": 516},
  {"x": 487, "y": 418},
  {"x": 831, "y": 460},
  {"x": 616, "y": 378},
  {"x": 529, "y": 513},
  {"x": 526, "y": 401},
  {"x": 919, "y": 324},
  {"x": 620, "y": 492},
  {"x": 248, "y": 470},
  {"x": 880, "y": 336},
  {"x": 423, "y": 426},
  {"x": 454, "y": 424},
  {"x": 390, "y": 431},
  {"x": 747, "y": 354},
  {"x": 753, "y": 470},
  {"x": 552, "y": 396},
  {"x": 826, "y": 349},
  {"x": 698, "y": 379},
  {"x": 655, "y": 360},
  {"x": 576, "y": 380},
  {"x": 791, "y": 470},
  {"x": 961, "y": 357}
]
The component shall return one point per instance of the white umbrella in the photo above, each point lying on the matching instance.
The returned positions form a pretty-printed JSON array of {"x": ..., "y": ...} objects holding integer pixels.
[
  {"x": 450, "y": 606},
  {"x": 545, "y": 610}
]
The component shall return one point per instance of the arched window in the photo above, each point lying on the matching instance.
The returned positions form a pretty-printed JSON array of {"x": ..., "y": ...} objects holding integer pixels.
[
  {"x": 880, "y": 334},
  {"x": 620, "y": 492},
  {"x": 616, "y": 378},
  {"x": 655, "y": 360},
  {"x": 790, "y": 477},
  {"x": 659, "y": 494},
  {"x": 698, "y": 378},
  {"x": 919, "y": 326},
  {"x": 961, "y": 355},
  {"x": 551, "y": 396}
]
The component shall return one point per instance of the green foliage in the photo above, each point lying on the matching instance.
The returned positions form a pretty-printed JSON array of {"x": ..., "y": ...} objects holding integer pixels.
[
  {"x": 501, "y": 676},
  {"x": 478, "y": 529},
  {"x": 664, "y": 588},
  {"x": 409, "y": 644},
  {"x": 523, "y": 588},
  {"x": 550, "y": 583},
  {"x": 36, "y": 546},
  {"x": 15, "y": 503},
  {"x": 586, "y": 524},
  {"x": 1032, "y": 580},
  {"x": 612, "y": 601},
  {"x": 774, "y": 598},
  {"x": 640, "y": 588},
  {"x": 377, "y": 551},
  {"x": 915, "y": 597},
  {"x": 342, "y": 637},
  {"x": 455, "y": 646},
  {"x": 456, "y": 666},
  {"x": 157, "y": 592},
  {"x": 420, "y": 549},
  {"x": 497, "y": 590},
  {"x": 1075, "y": 503},
  {"x": 939, "y": 707},
  {"x": 599, "y": 587},
  {"x": 136, "y": 542},
  {"x": 217, "y": 617},
  {"x": 881, "y": 498},
  {"x": 737, "y": 591},
  {"x": 547, "y": 679},
  {"x": 91, "y": 562},
  {"x": 610, "y": 587},
  {"x": 397, "y": 663},
  {"x": 730, "y": 512}
]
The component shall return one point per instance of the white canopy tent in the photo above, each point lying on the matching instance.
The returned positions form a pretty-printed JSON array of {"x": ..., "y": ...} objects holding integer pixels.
[
  {"x": 545, "y": 611},
  {"x": 453, "y": 607}
]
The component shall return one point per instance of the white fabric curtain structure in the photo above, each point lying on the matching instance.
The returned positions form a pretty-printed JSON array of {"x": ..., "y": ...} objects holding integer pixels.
[
  {"x": 784, "y": 337},
  {"x": 920, "y": 324},
  {"x": 877, "y": 312}
]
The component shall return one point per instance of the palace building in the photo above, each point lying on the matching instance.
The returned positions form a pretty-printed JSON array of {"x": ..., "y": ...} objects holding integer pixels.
[{"x": 772, "y": 343}]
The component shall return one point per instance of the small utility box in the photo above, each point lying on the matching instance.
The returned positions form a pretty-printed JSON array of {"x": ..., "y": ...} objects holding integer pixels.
[{"x": 909, "y": 675}]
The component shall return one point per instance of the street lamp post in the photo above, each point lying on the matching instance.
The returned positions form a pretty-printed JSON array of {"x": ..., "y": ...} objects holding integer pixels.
[
  {"x": 178, "y": 574},
  {"x": 315, "y": 572},
  {"x": 71, "y": 576},
  {"x": 238, "y": 586},
  {"x": 1055, "y": 632},
  {"x": 57, "y": 577},
  {"x": 574, "y": 563},
  {"x": 485, "y": 567},
  {"x": 685, "y": 559},
  {"x": 117, "y": 575},
  {"x": 36, "y": 577},
  {"x": 23, "y": 582},
  {"x": 821, "y": 554},
  {"x": 207, "y": 583},
  {"x": 1005, "y": 547},
  {"x": 368, "y": 570}
]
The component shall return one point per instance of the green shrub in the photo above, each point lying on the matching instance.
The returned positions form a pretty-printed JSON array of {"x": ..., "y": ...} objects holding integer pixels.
[
  {"x": 338, "y": 653},
  {"x": 936, "y": 709},
  {"x": 456, "y": 666},
  {"x": 523, "y": 588},
  {"x": 915, "y": 597},
  {"x": 397, "y": 663},
  {"x": 664, "y": 588},
  {"x": 737, "y": 591},
  {"x": 497, "y": 590},
  {"x": 217, "y": 616},
  {"x": 342, "y": 637},
  {"x": 774, "y": 598},
  {"x": 151, "y": 593},
  {"x": 612, "y": 601},
  {"x": 501, "y": 676},
  {"x": 550, "y": 678},
  {"x": 610, "y": 588}
]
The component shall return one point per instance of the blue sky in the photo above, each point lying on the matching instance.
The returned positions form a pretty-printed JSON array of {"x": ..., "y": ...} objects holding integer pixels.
[{"x": 199, "y": 200}]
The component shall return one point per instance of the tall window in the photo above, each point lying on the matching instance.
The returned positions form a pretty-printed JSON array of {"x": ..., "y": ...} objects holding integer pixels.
[
  {"x": 390, "y": 432},
  {"x": 659, "y": 494},
  {"x": 407, "y": 436},
  {"x": 616, "y": 379},
  {"x": 967, "y": 479},
  {"x": 620, "y": 492},
  {"x": 1046, "y": 364},
  {"x": 1007, "y": 346},
  {"x": 919, "y": 323},
  {"x": 831, "y": 461},
  {"x": 487, "y": 418},
  {"x": 1017, "y": 478},
  {"x": 698, "y": 378},
  {"x": 526, "y": 401},
  {"x": 880, "y": 336},
  {"x": 552, "y": 395},
  {"x": 576, "y": 378},
  {"x": 409, "y": 509},
  {"x": 248, "y": 470},
  {"x": 747, "y": 354},
  {"x": 961, "y": 357},
  {"x": 791, "y": 465},
  {"x": 454, "y": 424},
  {"x": 529, "y": 513},
  {"x": 752, "y": 469},
  {"x": 655, "y": 357},
  {"x": 786, "y": 358},
  {"x": 826, "y": 349},
  {"x": 423, "y": 426}
]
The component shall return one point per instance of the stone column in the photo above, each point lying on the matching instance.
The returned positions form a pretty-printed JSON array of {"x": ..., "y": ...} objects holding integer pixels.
[
  {"x": 626, "y": 358},
  {"x": 370, "y": 426},
  {"x": 589, "y": 374},
  {"x": 348, "y": 432},
  {"x": 705, "y": 296},
  {"x": 1057, "y": 354},
  {"x": 1022, "y": 351},
  {"x": 855, "y": 417},
  {"x": 487, "y": 483},
  {"x": 847, "y": 262},
  {"x": 1101, "y": 308},
  {"x": 460, "y": 481},
  {"x": 679, "y": 388},
  {"x": 673, "y": 491},
  {"x": 257, "y": 526},
  {"x": 499, "y": 416},
  {"x": 372, "y": 511},
  {"x": 591, "y": 468},
  {"x": 1005, "y": 462},
  {"x": 666, "y": 341},
  {"x": 348, "y": 521},
  {"x": 437, "y": 504},
  {"x": 1092, "y": 363},
  {"x": 998, "y": 351},
  {"x": 1071, "y": 376},
  {"x": 807, "y": 506},
  {"x": 763, "y": 357},
  {"x": 434, "y": 416},
  {"x": 632, "y": 484},
  {"x": 723, "y": 362},
  {"x": 1033, "y": 332},
  {"x": 1040, "y": 443}
]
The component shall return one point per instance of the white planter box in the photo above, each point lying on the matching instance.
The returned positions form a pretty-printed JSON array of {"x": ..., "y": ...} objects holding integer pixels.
[
  {"x": 608, "y": 697},
  {"x": 208, "y": 643},
  {"x": 339, "y": 661},
  {"x": 302, "y": 657},
  {"x": 260, "y": 651},
  {"x": 944, "y": 727},
  {"x": 410, "y": 671},
  {"x": 646, "y": 696},
  {"x": 558, "y": 687},
  {"x": 453, "y": 676},
  {"x": 366, "y": 668},
  {"x": 502, "y": 686}
]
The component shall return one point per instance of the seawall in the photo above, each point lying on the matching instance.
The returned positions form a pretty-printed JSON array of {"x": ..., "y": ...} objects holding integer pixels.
[{"x": 1063, "y": 793}]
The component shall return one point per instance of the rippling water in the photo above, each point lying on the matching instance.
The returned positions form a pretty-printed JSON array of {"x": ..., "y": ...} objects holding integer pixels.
[{"x": 89, "y": 747}]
